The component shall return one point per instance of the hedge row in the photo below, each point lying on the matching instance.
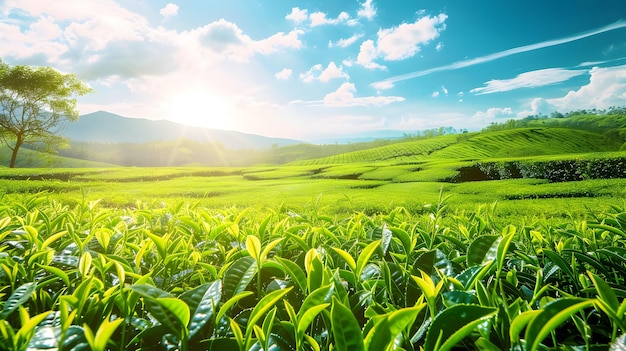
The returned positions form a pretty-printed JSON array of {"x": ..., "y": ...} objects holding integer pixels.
[{"x": 554, "y": 171}]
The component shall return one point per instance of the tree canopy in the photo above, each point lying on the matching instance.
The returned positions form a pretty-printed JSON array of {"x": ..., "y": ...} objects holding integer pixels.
[{"x": 34, "y": 101}]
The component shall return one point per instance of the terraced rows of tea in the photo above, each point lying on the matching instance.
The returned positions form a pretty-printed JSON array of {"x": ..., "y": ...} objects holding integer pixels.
[
  {"x": 525, "y": 142},
  {"x": 399, "y": 152}
]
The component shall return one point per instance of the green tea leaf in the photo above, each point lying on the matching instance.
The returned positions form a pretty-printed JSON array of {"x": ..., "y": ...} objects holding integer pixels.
[
  {"x": 388, "y": 326},
  {"x": 266, "y": 304},
  {"x": 253, "y": 245},
  {"x": 482, "y": 249},
  {"x": 604, "y": 291},
  {"x": 239, "y": 275},
  {"x": 454, "y": 323},
  {"x": 560, "y": 262},
  {"x": 346, "y": 329},
  {"x": 177, "y": 307},
  {"x": 58, "y": 272},
  {"x": 306, "y": 318},
  {"x": 230, "y": 303},
  {"x": 317, "y": 297},
  {"x": 296, "y": 273},
  {"x": 365, "y": 256},
  {"x": 160, "y": 244},
  {"x": 346, "y": 257},
  {"x": 552, "y": 316},
  {"x": 18, "y": 298},
  {"x": 202, "y": 301}
]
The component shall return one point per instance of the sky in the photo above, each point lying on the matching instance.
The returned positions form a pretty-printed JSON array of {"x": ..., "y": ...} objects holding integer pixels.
[{"x": 329, "y": 68}]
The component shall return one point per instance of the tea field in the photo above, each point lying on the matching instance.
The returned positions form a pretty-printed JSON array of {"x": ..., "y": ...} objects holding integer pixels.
[
  {"x": 185, "y": 277},
  {"x": 461, "y": 242}
]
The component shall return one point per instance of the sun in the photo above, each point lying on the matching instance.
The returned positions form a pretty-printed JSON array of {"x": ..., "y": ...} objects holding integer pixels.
[{"x": 200, "y": 108}]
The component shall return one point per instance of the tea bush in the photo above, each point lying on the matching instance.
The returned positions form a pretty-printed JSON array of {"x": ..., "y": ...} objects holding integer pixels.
[{"x": 183, "y": 277}]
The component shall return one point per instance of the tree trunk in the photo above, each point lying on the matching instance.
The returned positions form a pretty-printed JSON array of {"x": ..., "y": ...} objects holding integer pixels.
[{"x": 16, "y": 148}]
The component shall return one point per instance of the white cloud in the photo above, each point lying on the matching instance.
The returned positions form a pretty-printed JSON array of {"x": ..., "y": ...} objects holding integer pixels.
[
  {"x": 169, "y": 10},
  {"x": 382, "y": 85},
  {"x": 228, "y": 40},
  {"x": 494, "y": 112},
  {"x": 297, "y": 15},
  {"x": 367, "y": 55},
  {"x": 443, "y": 90},
  {"x": 332, "y": 71},
  {"x": 439, "y": 46},
  {"x": 284, "y": 74},
  {"x": 530, "y": 79},
  {"x": 309, "y": 75},
  {"x": 319, "y": 18},
  {"x": 537, "y": 106},
  {"x": 73, "y": 10},
  {"x": 514, "y": 51},
  {"x": 404, "y": 41},
  {"x": 399, "y": 43},
  {"x": 606, "y": 88},
  {"x": 279, "y": 41},
  {"x": 367, "y": 10},
  {"x": 344, "y": 97},
  {"x": 343, "y": 43}
]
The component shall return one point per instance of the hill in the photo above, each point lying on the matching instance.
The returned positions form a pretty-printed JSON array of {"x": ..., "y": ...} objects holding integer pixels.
[
  {"x": 522, "y": 138},
  {"x": 515, "y": 138},
  {"x": 105, "y": 127},
  {"x": 35, "y": 159}
]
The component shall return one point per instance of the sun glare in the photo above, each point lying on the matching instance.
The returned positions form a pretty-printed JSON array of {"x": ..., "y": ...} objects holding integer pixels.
[{"x": 200, "y": 108}]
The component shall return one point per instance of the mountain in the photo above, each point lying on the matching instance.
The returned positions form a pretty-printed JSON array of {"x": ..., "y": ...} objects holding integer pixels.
[{"x": 105, "y": 127}]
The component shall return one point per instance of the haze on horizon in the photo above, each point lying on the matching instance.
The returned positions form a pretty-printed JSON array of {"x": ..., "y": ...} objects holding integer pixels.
[{"x": 334, "y": 68}]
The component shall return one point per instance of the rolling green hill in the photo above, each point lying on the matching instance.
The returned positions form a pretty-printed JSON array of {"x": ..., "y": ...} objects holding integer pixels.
[
  {"x": 33, "y": 159},
  {"x": 528, "y": 137},
  {"x": 526, "y": 142},
  {"x": 520, "y": 142}
]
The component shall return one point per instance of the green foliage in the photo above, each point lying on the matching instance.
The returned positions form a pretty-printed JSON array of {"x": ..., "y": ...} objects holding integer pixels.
[
  {"x": 33, "y": 102},
  {"x": 191, "y": 278}
]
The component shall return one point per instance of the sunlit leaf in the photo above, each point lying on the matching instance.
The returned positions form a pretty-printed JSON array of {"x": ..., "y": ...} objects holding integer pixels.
[
  {"x": 552, "y": 316},
  {"x": 346, "y": 329},
  {"x": 17, "y": 298},
  {"x": 239, "y": 275},
  {"x": 454, "y": 323},
  {"x": 202, "y": 301}
]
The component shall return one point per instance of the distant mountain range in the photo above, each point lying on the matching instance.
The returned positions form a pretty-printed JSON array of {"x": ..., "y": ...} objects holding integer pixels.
[{"x": 105, "y": 127}]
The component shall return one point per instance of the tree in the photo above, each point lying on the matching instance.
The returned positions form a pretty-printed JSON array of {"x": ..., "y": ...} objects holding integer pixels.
[{"x": 33, "y": 103}]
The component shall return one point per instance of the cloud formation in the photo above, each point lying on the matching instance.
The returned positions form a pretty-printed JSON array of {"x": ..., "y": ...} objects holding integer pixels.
[
  {"x": 367, "y": 10},
  {"x": 501, "y": 54},
  {"x": 530, "y": 79},
  {"x": 344, "y": 43},
  {"x": 494, "y": 112},
  {"x": 318, "y": 72},
  {"x": 405, "y": 40},
  {"x": 606, "y": 88},
  {"x": 283, "y": 74},
  {"x": 400, "y": 42},
  {"x": 344, "y": 97},
  {"x": 169, "y": 10}
]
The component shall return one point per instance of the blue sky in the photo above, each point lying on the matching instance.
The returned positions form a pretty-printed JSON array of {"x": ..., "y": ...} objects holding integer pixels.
[{"x": 320, "y": 69}]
